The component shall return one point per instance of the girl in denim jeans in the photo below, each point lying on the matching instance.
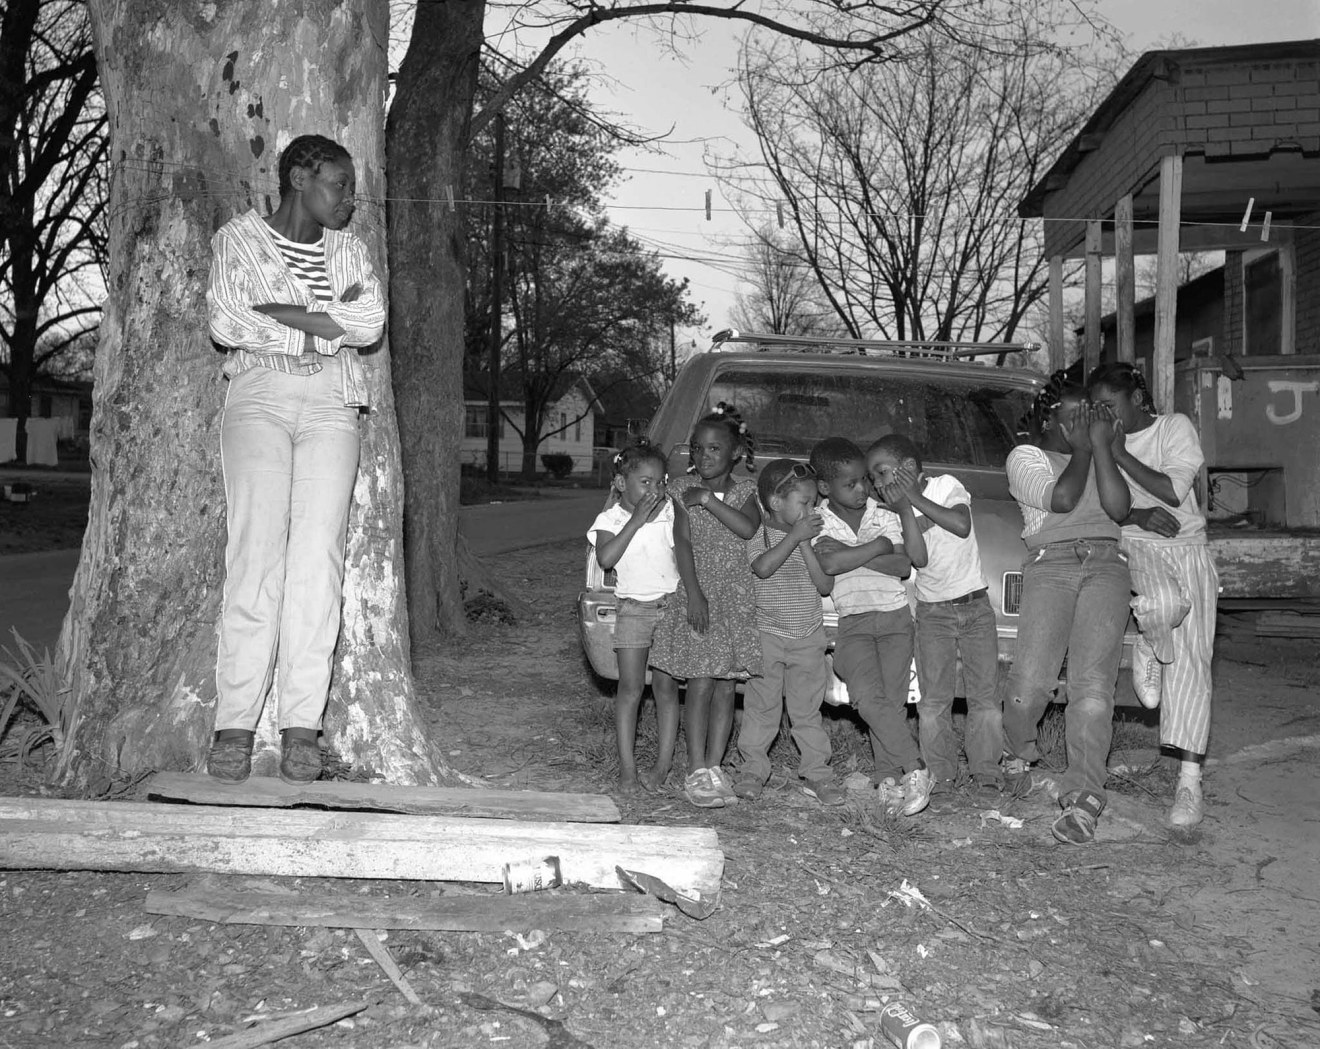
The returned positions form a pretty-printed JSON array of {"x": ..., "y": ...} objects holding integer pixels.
[
  {"x": 290, "y": 295},
  {"x": 1075, "y": 587},
  {"x": 635, "y": 537}
]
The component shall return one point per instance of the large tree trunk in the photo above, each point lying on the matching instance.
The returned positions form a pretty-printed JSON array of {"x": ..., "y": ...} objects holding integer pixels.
[
  {"x": 201, "y": 100},
  {"x": 426, "y": 139}
]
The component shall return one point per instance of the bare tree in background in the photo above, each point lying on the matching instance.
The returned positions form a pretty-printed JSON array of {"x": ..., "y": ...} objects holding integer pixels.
[
  {"x": 785, "y": 298},
  {"x": 52, "y": 192},
  {"x": 584, "y": 299},
  {"x": 432, "y": 121},
  {"x": 901, "y": 180}
]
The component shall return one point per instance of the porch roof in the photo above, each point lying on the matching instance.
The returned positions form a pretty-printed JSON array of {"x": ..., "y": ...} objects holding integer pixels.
[{"x": 1246, "y": 120}]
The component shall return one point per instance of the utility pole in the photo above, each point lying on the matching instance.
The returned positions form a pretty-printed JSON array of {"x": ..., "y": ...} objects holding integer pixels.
[
  {"x": 673, "y": 353},
  {"x": 496, "y": 310}
]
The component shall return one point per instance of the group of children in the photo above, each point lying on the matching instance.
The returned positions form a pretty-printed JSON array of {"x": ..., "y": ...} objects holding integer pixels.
[{"x": 720, "y": 581}]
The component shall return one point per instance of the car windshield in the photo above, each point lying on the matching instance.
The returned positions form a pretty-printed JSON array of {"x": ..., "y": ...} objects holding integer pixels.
[{"x": 959, "y": 420}]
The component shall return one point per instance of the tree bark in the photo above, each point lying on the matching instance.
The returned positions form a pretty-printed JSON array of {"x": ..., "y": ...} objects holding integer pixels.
[
  {"x": 201, "y": 100},
  {"x": 426, "y": 140}
]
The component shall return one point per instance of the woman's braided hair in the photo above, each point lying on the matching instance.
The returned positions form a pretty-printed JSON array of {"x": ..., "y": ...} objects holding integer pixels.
[
  {"x": 640, "y": 451},
  {"x": 1125, "y": 377},
  {"x": 727, "y": 415},
  {"x": 309, "y": 151},
  {"x": 1056, "y": 388}
]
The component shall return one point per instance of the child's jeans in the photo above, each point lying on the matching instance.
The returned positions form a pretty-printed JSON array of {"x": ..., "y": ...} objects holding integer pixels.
[
  {"x": 946, "y": 632},
  {"x": 873, "y": 655},
  {"x": 1074, "y": 602},
  {"x": 793, "y": 675}
]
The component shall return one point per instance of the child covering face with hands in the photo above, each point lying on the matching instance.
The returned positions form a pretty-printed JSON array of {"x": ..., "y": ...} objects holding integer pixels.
[
  {"x": 954, "y": 620},
  {"x": 789, "y": 585},
  {"x": 635, "y": 537}
]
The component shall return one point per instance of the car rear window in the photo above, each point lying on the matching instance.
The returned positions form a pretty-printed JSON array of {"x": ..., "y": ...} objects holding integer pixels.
[{"x": 957, "y": 420}]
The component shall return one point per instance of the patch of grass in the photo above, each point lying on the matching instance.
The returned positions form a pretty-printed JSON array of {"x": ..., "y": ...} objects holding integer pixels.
[
  {"x": 1133, "y": 731},
  {"x": 31, "y": 681},
  {"x": 875, "y": 821}
]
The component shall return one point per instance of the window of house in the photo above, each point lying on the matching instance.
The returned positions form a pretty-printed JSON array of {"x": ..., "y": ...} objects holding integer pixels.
[
  {"x": 1267, "y": 303},
  {"x": 563, "y": 425},
  {"x": 577, "y": 430},
  {"x": 474, "y": 423}
]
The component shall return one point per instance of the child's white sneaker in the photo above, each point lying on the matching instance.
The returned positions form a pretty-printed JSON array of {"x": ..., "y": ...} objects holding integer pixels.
[
  {"x": 917, "y": 786},
  {"x": 1188, "y": 807},
  {"x": 891, "y": 795},
  {"x": 723, "y": 786},
  {"x": 700, "y": 789},
  {"x": 1147, "y": 674}
]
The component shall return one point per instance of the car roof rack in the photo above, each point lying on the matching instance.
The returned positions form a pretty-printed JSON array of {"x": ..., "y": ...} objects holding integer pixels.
[{"x": 946, "y": 351}]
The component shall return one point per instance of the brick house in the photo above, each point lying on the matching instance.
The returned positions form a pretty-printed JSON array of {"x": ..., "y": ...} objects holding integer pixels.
[{"x": 1212, "y": 149}]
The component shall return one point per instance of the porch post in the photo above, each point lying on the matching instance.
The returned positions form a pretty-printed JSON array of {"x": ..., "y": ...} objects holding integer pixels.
[
  {"x": 1058, "y": 351},
  {"x": 1125, "y": 283},
  {"x": 1166, "y": 281},
  {"x": 1093, "y": 256}
]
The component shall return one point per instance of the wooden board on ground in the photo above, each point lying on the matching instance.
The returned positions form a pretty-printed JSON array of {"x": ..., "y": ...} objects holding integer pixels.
[
  {"x": 1267, "y": 564},
  {"x": 56, "y": 834},
  {"x": 552, "y": 911},
  {"x": 270, "y": 792}
]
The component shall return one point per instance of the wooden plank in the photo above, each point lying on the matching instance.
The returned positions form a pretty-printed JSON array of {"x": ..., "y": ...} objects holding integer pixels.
[
  {"x": 1219, "y": 237},
  {"x": 271, "y": 792},
  {"x": 1166, "y": 282},
  {"x": 275, "y": 1030},
  {"x": 1260, "y": 566},
  {"x": 553, "y": 911},
  {"x": 56, "y": 834},
  {"x": 1092, "y": 305},
  {"x": 1058, "y": 341},
  {"x": 1125, "y": 280}
]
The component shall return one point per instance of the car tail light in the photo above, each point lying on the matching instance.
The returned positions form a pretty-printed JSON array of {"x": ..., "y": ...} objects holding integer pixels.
[
  {"x": 597, "y": 577},
  {"x": 1012, "y": 593}
]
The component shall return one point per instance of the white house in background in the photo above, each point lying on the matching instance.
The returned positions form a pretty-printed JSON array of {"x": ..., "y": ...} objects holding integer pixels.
[
  {"x": 68, "y": 403},
  {"x": 571, "y": 423}
]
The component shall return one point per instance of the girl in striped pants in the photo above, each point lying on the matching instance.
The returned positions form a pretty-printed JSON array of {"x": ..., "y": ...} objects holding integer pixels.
[{"x": 1174, "y": 580}]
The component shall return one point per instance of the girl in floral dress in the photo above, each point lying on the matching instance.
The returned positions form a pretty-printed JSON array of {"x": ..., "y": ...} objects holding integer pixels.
[{"x": 708, "y": 634}]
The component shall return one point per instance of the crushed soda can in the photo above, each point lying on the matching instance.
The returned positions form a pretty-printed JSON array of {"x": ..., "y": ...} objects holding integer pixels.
[
  {"x": 905, "y": 1030},
  {"x": 532, "y": 875}
]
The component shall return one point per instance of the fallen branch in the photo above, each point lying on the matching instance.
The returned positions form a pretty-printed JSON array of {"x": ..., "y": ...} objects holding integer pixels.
[
  {"x": 274, "y": 1030},
  {"x": 371, "y": 941}
]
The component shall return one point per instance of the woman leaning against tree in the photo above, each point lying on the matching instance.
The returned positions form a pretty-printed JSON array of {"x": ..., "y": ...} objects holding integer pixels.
[{"x": 290, "y": 296}]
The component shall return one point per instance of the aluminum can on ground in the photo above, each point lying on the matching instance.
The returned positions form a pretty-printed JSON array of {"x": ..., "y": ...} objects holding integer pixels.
[
  {"x": 532, "y": 875},
  {"x": 905, "y": 1030}
]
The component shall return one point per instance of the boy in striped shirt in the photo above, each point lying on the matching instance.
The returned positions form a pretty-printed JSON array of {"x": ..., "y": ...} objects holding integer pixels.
[{"x": 789, "y": 585}]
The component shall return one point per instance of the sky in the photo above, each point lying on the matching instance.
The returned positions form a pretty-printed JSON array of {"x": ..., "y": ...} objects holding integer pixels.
[{"x": 687, "y": 98}]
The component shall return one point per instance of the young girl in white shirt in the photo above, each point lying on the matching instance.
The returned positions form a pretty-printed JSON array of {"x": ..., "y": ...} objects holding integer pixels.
[
  {"x": 1174, "y": 580},
  {"x": 635, "y": 537}
]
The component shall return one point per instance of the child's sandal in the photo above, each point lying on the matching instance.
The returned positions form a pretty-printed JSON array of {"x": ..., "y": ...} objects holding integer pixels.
[{"x": 1077, "y": 824}]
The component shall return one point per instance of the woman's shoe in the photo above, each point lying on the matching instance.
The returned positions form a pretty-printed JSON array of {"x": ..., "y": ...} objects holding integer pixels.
[
  {"x": 230, "y": 759},
  {"x": 300, "y": 760}
]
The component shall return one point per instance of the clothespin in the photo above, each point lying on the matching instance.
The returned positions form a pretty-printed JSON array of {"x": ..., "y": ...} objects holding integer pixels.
[
  {"x": 1246, "y": 218},
  {"x": 547, "y": 202},
  {"x": 449, "y": 196},
  {"x": 1265, "y": 226},
  {"x": 779, "y": 210},
  {"x": 707, "y": 205}
]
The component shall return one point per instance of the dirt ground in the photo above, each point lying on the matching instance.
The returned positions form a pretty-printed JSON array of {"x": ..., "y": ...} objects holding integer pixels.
[{"x": 1143, "y": 938}]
